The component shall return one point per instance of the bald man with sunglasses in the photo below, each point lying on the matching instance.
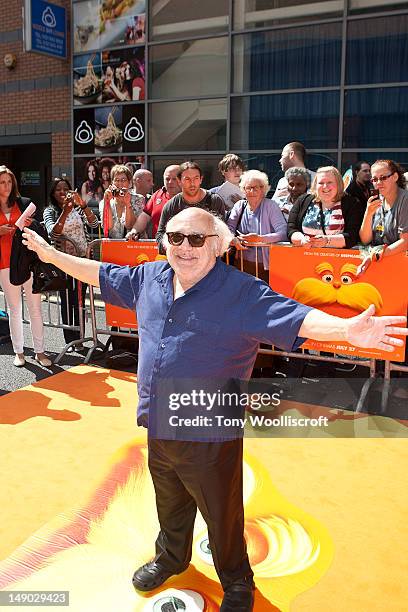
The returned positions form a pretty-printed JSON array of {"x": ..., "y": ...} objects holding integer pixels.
[{"x": 200, "y": 324}]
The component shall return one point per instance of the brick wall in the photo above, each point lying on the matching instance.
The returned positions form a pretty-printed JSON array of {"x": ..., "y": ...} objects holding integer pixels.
[{"x": 36, "y": 92}]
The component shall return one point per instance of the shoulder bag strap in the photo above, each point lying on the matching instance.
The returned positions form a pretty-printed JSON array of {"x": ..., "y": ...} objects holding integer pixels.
[{"x": 243, "y": 207}]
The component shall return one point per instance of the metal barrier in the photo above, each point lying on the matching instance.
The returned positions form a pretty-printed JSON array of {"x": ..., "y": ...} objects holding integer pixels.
[
  {"x": 303, "y": 354},
  {"x": 94, "y": 249}
]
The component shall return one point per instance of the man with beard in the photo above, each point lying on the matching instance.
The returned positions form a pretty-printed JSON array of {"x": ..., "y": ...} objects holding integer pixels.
[{"x": 192, "y": 194}]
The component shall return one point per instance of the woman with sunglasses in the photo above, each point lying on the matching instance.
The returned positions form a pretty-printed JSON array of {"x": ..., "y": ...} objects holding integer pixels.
[
  {"x": 385, "y": 223},
  {"x": 256, "y": 220}
]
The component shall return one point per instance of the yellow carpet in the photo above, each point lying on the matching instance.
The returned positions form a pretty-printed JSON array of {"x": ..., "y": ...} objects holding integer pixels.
[{"x": 326, "y": 518}]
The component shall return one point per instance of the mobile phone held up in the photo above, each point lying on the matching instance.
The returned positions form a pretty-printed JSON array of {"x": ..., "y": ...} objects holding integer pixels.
[{"x": 374, "y": 193}]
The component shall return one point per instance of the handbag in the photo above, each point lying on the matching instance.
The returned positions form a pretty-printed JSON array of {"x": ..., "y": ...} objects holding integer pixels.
[{"x": 47, "y": 277}]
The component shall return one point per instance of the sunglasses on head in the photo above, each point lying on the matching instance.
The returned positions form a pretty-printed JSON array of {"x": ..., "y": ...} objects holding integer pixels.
[{"x": 194, "y": 240}]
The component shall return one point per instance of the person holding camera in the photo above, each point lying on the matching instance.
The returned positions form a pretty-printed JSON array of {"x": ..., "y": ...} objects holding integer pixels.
[
  {"x": 117, "y": 213},
  {"x": 68, "y": 216}
]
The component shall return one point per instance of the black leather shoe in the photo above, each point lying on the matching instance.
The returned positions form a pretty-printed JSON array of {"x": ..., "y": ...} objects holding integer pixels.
[
  {"x": 238, "y": 597},
  {"x": 151, "y": 575}
]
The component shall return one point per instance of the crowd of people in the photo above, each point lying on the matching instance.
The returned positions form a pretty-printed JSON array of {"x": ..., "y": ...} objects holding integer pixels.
[{"x": 308, "y": 208}]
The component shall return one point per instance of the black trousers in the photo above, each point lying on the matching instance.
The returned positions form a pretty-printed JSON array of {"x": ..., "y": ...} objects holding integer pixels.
[
  {"x": 207, "y": 476},
  {"x": 70, "y": 308}
]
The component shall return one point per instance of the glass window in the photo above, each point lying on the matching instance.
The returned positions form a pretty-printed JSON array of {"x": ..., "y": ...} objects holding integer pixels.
[
  {"x": 377, "y": 50},
  {"x": 191, "y": 125},
  {"x": 184, "y": 18},
  {"x": 208, "y": 165},
  {"x": 269, "y": 164},
  {"x": 271, "y": 121},
  {"x": 364, "y": 6},
  {"x": 350, "y": 158},
  {"x": 376, "y": 118},
  {"x": 261, "y": 13},
  {"x": 191, "y": 68},
  {"x": 285, "y": 59}
]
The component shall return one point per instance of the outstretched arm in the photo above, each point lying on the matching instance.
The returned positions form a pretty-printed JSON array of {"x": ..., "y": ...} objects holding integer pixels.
[
  {"x": 364, "y": 330},
  {"x": 81, "y": 268}
]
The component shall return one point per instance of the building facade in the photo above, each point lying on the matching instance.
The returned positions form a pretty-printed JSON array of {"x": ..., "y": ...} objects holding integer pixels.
[{"x": 160, "y": 81}]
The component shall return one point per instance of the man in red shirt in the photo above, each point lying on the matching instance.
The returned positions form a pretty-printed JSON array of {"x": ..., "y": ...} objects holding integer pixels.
[{"x": 153, "y": 208}]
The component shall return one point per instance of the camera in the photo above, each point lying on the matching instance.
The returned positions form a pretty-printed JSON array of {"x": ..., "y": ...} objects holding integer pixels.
[
  {"x": 118, "y": 191},
  {"x": 374, "y": 193}
]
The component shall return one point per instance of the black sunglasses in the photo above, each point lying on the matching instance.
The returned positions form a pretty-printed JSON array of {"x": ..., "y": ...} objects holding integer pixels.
[{"x": 195, "y": 240}]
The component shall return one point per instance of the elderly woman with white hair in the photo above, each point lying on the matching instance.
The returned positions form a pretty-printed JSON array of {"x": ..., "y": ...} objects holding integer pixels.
[{"x": 256, "y": 220}]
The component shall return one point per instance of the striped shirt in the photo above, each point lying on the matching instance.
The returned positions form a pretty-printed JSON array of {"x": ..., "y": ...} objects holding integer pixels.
[{"x": 318, "y": 220}]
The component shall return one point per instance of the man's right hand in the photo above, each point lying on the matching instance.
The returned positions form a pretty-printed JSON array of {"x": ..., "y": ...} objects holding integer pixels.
[{"x": 34, "y": 242}]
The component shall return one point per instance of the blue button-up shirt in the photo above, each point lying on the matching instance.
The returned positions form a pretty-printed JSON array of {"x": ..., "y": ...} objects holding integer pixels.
[{"x": 213, "y": 331}]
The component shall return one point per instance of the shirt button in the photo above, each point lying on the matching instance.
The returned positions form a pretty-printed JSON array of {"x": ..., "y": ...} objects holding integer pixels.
[
  {"x": 163, "y": 345},
  {"x": 170, "y": 320}
]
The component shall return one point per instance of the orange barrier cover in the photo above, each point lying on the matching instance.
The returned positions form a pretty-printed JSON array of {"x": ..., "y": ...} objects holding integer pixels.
[
  {"x": 326, "y": 279},
  {"x": 126, "y": 254}
]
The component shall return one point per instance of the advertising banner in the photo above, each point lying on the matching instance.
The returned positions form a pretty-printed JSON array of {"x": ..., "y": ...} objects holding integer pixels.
[
  {"x": 127, "y": 254},
  {"x": 326, "y": 279},
  {"x": 99, "y": 24},
  {"x": 109, "y": 129},
  {"x": 92, "y": 174},
  {"x": 87, "y": 79}
]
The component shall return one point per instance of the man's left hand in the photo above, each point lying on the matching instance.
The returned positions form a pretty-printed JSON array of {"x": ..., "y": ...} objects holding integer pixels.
[{"x": 368, "y": 331}]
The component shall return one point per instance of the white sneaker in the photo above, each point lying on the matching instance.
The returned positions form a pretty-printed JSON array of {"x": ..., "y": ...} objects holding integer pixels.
[{"x": 19, "y": 360}]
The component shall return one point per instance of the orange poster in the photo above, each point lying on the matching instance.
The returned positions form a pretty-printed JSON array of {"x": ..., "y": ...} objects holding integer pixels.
[
  {"x": 326, "y": 279},
  {"x": 126, "y": 253}
]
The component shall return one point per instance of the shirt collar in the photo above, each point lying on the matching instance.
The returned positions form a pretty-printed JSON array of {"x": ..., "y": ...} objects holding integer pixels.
[{"x": 209, "y": 283}]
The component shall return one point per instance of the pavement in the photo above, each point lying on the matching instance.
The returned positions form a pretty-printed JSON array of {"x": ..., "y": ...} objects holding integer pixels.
[{"x": 13, "y": 378}]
